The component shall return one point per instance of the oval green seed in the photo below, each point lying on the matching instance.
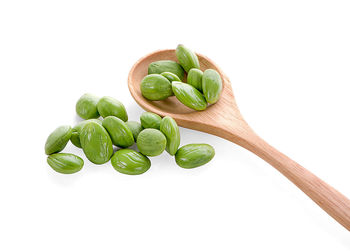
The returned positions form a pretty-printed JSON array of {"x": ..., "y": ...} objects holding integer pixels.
[
  {"x": 189, "y": 96},
  {"x": 130, "y": 162},
  {"x": 108, "y": 106},
  {"x": 86, "y": 106},
  {"x": 151, "y": 142},
  {"x": 170, "y": 76},
  {"x": 119, "y": 132},
  {"x": 156, "y": 87},
  {"x": 135, "y": 128},
  {"x": 58, "y": 139},
  {"x": 162, "y": 66},
  {"x": 65, "y": 163},
  {"x": 187, "y": 58},
  {"x": 96, "y": 143},
  {"x": 194, "y": 155},
  {"x": 194, "y": 78},
  {"x": 169, "y": 128},
  {"x": 212, "y": 85},
  {"x": 75, "y": 137},
  {"x": 150, "y": 120}
]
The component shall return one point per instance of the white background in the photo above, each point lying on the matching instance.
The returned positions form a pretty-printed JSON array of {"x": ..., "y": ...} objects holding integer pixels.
[{"x": 289, "y": 65}]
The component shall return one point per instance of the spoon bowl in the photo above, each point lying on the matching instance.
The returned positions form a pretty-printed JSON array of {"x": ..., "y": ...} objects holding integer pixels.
[
  {"x": 224, "y": 119},
  {"x": 225, "y": 110},
  {"x": 170, "y": 105}
]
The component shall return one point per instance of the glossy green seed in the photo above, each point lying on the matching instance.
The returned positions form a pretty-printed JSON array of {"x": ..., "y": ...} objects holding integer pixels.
[
  {"x": 162, "y": 66},
  {"x": 187, "y": 58},
  {"x": 156, "y": 87},
  {"x": 150, "y": 120},
  {"x": 108, "y": 106},
  {"x": 65, "y": 163},
  {"x": 194, "y": 155},
  {"x": 194, "y": 78},
  {"x": 86, "y": 106},
  {"x": 119, "y": 132},
  {"x": 130, "y": 162},
  {"x": 169, "y": 128},
  {"x": 135, "y": 128},
  {"x": 189, "y": 96},
  {"x": 96, "y": 143},
  {"x": 170, "y": 76},
  {"x": 75, "y": 137},
  {"x": 58, "y": 139},
  {"x": 212, "y": 85},
  {"x": 151, "y": 142}
]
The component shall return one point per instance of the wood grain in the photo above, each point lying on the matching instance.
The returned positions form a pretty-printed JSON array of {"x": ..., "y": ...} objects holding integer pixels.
[{"x": 224, "y": 119}]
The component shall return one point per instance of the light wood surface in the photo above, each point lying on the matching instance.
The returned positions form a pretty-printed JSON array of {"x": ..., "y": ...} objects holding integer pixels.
[{"x": 224, "y": 119}]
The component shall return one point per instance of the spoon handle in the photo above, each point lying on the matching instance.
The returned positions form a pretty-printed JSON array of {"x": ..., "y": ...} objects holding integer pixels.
[{"x": 329, "y": 199}]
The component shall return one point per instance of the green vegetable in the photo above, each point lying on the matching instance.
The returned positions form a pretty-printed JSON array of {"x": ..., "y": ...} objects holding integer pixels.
[
  {"x": 212, "y": 85},
  {"x": 171, "y": 131},
  {"x": 130, "y": 162},
  {"x": 194, "y": 78},
  {"x": 150, "y": 120},
  {"x": 187, "y": 58},
  {"x": 170, "y": 76},
  {"x": 156, "y": 87},
  {"x": 151, "y": 142},
  {"x": 58, "y": 139},
  {"x": 75, "y": 138},
  {"x": 96, "y": 143},
  {"x": 162, "y": 66},
  {"x": 189, "y": 96},
  {"x": 135, "y": 128},
  {"x": 65, "y": 163},
  {"x": 119, "y": 132},
  {"x": 86, "y": 106},
  {"x": 108, "y": 106},
  {"x": 194, "y": 155}
]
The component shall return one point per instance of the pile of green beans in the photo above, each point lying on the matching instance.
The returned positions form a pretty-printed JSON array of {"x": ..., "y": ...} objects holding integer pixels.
[
  {"x": 166, "y": 78},
  {"x": 96, "y": 137}
]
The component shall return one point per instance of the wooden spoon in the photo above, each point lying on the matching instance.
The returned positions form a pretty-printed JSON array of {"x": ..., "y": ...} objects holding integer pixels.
[{"x": 224, "y": 119}]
